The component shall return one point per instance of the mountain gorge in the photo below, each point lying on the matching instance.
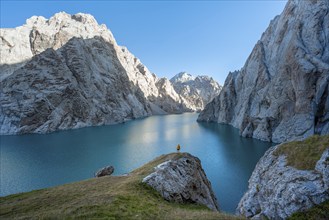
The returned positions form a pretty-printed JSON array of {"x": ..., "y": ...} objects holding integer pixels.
[
  {"x": 68, "y": 72},
  {"x": 281, "y": 93}
]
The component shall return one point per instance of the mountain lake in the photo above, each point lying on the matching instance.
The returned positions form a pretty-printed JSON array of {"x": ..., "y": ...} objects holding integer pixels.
[{"x": 36, "y": 161}]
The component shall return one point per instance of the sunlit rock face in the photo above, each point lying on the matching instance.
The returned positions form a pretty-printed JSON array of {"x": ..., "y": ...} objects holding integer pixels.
[
  {"x": 68, "y": 72},
  {"x": 183, "y": 180},
  {"x": 277, "y": 190},
  {"x": 197, "y": 91},
  {"x": 281, "y": 93}
]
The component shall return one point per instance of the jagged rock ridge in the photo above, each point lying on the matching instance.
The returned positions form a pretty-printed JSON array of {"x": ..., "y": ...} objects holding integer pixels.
[
  {"x": 282, "y": 92},
  {"x": 68, "y": 72},
  {"x": 198, "y": 91}
]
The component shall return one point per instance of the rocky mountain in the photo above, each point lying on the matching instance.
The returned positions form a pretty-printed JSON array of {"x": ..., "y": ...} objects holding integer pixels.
[
  {"x": 282, "y": 91},
  {"x": 198, "y": 91},
  {"x": 68, "y": 72},
  {"x": 277, "y": 190}
]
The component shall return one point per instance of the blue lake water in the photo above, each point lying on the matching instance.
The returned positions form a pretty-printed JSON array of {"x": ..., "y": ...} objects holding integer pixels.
[{"x": 36, "y": 161}]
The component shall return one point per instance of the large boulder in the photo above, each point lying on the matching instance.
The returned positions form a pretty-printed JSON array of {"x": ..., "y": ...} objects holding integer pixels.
[
  {"x": 183, "y": 180},
  {"x": 277, "y": 190},
  {"x": 281, "y": 93}
]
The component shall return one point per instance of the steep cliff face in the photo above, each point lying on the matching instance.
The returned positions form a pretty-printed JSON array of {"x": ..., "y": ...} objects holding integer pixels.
[
  {"x": 277, "y": 190},
  {"x": 68, "y": 72},
  {"x": 198, "y": 91},
  {"x": 67, "y": 89},
  {"x": 281, "y": 93}
]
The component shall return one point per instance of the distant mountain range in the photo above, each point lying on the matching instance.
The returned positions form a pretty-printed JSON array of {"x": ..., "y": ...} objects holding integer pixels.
[{"x": 198, "y": 91}]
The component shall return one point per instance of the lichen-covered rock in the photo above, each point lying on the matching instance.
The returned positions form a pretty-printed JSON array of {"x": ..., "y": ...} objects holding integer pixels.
[
  {"x": 276, "y": 190},
  {"x": 68, "y": 72},
  {"x": 105, "y": 171},
  {"x": 183, "y": 180},
  {"x": 281, "y": 93}
]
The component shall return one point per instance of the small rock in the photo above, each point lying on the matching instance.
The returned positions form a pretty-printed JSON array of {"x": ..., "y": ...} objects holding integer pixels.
[{"x": 106, "y": 171}]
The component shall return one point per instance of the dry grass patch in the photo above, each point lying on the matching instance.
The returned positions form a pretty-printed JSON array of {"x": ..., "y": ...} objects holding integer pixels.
[{"x": 111, "y": 197}]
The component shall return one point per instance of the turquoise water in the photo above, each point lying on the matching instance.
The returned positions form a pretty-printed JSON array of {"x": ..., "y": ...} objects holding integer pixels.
[{"x": 36, "y": 161}]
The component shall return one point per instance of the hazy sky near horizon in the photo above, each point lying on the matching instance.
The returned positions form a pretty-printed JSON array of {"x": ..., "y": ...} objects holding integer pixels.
[{"x": 200, "y": 37}]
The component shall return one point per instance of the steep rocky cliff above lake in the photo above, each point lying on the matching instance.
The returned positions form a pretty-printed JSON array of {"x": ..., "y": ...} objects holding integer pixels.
[
  {"x": 68, "y": 72},
  {"x": 282, "y": 91}
]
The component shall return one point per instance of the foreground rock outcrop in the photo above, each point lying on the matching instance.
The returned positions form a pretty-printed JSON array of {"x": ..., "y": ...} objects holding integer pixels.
[
  {"x": 198, "y": 91},
  {"x": 68, "y": 72},
  {"x": 183, "y": 180},
  {"x": 282, "y": 92},
  {"x": 277, "y": 190}
]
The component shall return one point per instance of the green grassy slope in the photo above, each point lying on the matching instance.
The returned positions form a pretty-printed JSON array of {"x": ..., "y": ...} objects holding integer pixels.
[
  {"x": 111, "y": 197},
  {"x": 318, "y": 212},
  {"x": 303, "y": 155}
]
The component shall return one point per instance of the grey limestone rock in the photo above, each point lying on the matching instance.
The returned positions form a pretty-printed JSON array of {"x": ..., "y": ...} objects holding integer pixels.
[
  {"x": 281, "y": 93},
  {"x": 183, "y": 180},
  {"x": 276, "y": 190},
  {"x": 105, "y": 171}
]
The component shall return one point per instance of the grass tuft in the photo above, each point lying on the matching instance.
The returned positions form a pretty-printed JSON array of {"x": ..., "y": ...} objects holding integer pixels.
[{"x": 303, "y": 155}]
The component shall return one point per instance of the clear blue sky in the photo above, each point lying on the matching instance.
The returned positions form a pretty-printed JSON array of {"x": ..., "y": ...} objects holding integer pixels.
[{"x": 200, "y": 37}]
